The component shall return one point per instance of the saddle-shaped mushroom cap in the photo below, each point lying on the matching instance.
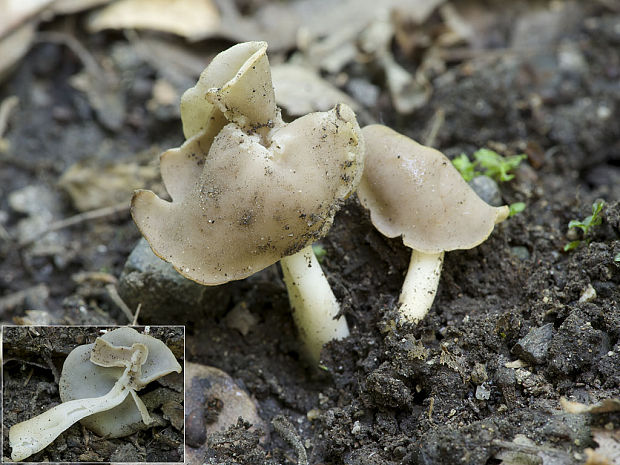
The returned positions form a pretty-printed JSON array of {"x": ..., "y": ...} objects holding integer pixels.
[
  {"x": 413, "y": 191},
  {"x": 235, "y": 87},
  {"x": 256, "y": 190},
  {"x": 98, "y": 387}
]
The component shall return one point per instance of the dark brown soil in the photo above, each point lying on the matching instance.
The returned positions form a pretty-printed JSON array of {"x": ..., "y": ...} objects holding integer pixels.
[{"x": 436, "y": 393}]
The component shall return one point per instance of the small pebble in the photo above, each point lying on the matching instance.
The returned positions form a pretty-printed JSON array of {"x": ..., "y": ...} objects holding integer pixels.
[
  {"x": 588, "y": 294},
  {"x": 521, "y": 252},
  {"x": 535, "y": 345},
  {"x": 483, "y": 392},
  {"x": 487, "y": 189}
]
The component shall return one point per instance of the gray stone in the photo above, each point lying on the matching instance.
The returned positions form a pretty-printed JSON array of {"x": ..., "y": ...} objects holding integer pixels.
[
  {"x": 520, "y": 251},
  {"x": 534, "y": 346},
  {"x": 43, "y": 206},
  {"x": 483, "y": 392},
  {"x": 576, "y": 345},
  {"x": 166, "y": 296},
  {"x": 487, "y": 189},
  {"x": 573, "y": 426},
  {"x": 363, "y": 91}
]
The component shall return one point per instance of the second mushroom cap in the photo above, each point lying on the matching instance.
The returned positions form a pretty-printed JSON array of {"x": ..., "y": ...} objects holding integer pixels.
[{"x": 413, "y": 191}]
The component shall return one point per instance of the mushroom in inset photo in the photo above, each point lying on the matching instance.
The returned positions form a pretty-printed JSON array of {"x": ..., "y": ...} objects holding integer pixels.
[{"x": 99, "y": 387}]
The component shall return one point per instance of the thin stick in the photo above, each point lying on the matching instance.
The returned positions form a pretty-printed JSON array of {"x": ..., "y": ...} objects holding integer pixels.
[
  {"x": 28, "y": 377},
  {"x": 135, "y": 315},
  {"x": 436, "y": 124},
  {"x": 89, "y": 62},
  {"x": 111, "y": 288},
  {"x": 524, "y": 447},
  {"x": 6, "y": 107},
  {"x": 287, "y": 431},
  {"x": 77, "y": 219}
]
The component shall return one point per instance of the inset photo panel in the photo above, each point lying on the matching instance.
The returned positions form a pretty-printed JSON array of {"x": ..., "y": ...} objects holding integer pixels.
[{"x": 90, "y": 394}]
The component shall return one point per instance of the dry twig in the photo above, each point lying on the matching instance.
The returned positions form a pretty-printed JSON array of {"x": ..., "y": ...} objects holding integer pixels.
[
  {"x": 77, "y": 219},
  {"x": 286, "y": 430}
]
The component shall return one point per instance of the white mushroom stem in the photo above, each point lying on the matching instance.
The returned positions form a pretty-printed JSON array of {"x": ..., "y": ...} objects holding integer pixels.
[
  {"x": 314, "y": 305},
  {"x": 33, "y": 435},
  {"x": 420, "y": 286}
]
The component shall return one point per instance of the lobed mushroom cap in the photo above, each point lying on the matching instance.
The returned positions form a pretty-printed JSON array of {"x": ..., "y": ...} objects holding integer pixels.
[
  {"x": 235, "y": 87},
  {"x": 257, "y": 198},
  {"x": 82, "y": 377},
  {"x": 247, "y": 189},
  {"x": 413, "y": 191}
]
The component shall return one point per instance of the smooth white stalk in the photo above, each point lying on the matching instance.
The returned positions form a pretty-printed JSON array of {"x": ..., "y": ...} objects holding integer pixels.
[
  {"x": 33, "y": 435},
  {"x": 420, "y": 286},
  {"x": 314, "y": 305}
]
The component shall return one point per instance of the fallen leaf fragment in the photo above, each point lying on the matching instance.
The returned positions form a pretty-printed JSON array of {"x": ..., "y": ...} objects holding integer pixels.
[
  {"x": 65, "y": 7},
  {"x": 13, "y": 13},
  {"x": 604, "y": 406},
  {"x": 92, "y": 187},
  {"x": 608, "y": 450},
  {"x": 300, "y": 90},
  {"x": 192, "y": 19},
  {"x": 14, "y": 46}
]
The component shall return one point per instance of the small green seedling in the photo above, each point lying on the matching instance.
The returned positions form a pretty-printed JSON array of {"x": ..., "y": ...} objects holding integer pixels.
[
  {"x": 497, "y": 167},
  {"x": 320, "y": 252},
  {"x": 491, "y": 163},
  {"x": 586, "y": 225},
  {"x": 465, "y": 166},
  {"x": 617, "y": 258},
  {"x": 515, "y": 208}
]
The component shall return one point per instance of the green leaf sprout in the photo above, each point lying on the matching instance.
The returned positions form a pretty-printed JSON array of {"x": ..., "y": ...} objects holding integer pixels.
[
  {"x": 515, "y": 208},
  {"x": 319, "y": 252},
  {"x": 465, "y": 167},
  {"x": 586, "y": 225},
  {"x": 491, "y": 164}
]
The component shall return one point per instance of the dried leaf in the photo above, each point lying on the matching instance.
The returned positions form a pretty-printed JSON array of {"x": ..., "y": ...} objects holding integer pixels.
[
  {"x": 65, "y": 7},
  {"x": 92, "y": 187},
  {"x": 521, "y": 453},
  {"x": 192, "y": 19},
  {"x": 35, "y": 317},
  {"x": 322, "y": 17},
  {"x": 102, "y": 90},
  {"x": 299, "y": 90},
  {"x": 409, "y": 92},
  {"x": 14, "y": 46},
  {"x": 608, "y": 450},
  {"x": 516, "y": 364},
  {"x": 14, "y": 13},
  {"x": 605, "y": 406}
]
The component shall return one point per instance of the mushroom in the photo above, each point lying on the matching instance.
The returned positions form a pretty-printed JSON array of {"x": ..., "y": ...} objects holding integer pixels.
[
  {"x": 413, "y": 191},
  {"x": 98, "y": 387},
  {"x": 249, "y": 190}
]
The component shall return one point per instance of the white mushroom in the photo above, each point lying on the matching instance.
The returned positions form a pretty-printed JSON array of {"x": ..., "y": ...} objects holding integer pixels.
[
  {"x": 97, "y": 380},
  {"x": 248, "y": 189},
  {"x": 413, "y": 191}
]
